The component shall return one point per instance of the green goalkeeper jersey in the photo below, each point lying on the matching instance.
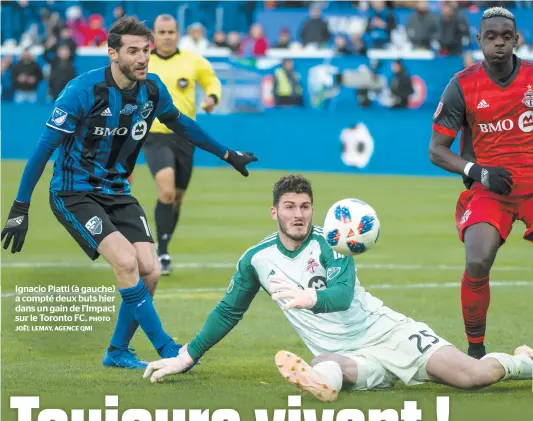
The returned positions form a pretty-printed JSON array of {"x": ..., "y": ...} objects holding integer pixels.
[{"x": 344, "y": 311}]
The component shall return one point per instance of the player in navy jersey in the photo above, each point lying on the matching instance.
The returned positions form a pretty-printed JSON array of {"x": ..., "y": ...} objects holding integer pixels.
[
  {"x": 491, "y": 103},
  {"x": 99, "y": 123}
]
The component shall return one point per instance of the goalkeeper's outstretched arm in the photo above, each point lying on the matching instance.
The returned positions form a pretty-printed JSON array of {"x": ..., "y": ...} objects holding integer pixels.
[
  {"x": 219, "y": 323},
  {"x": 224, "y": 317}
]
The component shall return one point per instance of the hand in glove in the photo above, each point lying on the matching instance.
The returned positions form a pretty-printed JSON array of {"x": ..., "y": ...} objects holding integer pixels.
[
  {"x": 496, "y": 179},
  {"x": 16, "y": 226},
  {"x": 299, "y": 297},
  {"x": 239, "y": 160},
  {"x": 157, "y": 370}
]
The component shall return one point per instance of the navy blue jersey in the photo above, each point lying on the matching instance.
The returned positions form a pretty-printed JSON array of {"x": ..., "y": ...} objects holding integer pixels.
[
  {"x": 105, "y": 129},
  {"x": 100, "y": 129}
]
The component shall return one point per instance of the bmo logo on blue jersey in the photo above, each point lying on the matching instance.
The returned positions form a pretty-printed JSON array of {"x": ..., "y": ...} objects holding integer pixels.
[
  {"x": 107, "y": 131},
  {"x": 138, "y": 130}
]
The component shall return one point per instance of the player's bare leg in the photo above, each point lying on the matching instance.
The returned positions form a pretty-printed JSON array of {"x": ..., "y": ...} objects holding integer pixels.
[
  {"x": 122, "y": 257},
  {"x": 323, "y": 380},
  {"x": 482, "y": 242},
  {"x": 165, "y": 214},
  {"x": 450, "y": 366},
  {"x": 149, "y": 268}
]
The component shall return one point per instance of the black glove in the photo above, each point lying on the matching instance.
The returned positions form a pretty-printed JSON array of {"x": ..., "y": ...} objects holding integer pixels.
[
  {"x": 496, "y": 179},
  {"x": 16, "y": 226},
  {"x": 239, "y": 160}
]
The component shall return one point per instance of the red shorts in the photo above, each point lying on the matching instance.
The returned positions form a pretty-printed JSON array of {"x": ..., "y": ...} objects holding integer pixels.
[{"x": 481, "y": 205}]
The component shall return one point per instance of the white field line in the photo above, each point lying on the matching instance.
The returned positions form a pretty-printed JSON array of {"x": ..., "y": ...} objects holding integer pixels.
[
  {"x": 198, "y": 265},
  {"x": 427, "y": 285}
]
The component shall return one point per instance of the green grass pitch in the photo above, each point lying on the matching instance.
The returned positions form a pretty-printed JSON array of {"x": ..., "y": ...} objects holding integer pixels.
[{"x": 223, "y": 215}]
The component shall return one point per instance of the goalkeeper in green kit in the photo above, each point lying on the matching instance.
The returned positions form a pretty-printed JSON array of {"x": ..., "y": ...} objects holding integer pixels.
[{"x": 357, "y": 342}]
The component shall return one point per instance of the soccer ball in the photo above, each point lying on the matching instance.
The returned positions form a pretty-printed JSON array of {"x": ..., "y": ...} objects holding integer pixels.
[{"x": 351, "y": 227}]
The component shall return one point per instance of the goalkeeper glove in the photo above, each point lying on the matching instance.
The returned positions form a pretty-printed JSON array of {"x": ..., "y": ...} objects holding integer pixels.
[
  {"x": 496, "y": 179},
  {"x": 239, "y": 160},
  {"x": 16, "y": 226},
  {"x": 157, "y": 370},
  {"x": 299, "y": 297}
]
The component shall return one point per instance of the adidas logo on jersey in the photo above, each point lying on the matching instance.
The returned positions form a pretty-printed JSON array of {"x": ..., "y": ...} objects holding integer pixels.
[
  {"x": 482, "y": 104},
  {"x": 106, "y": 113}
]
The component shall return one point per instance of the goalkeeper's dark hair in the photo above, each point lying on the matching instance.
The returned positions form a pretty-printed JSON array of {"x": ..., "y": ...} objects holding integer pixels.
[
  {"x": 127, "y": 25},
  {"x": 498, "y": 12},
  {"x": 291, "y": 184}
]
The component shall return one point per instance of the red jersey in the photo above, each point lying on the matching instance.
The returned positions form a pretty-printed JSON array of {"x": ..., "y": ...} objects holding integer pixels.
[{"x": 495, "y": 118}]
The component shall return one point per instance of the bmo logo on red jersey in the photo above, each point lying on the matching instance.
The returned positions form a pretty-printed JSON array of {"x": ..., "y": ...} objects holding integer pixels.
[
  {"x": 500, "y": 126},
  {"x": 525, "y": 123}
]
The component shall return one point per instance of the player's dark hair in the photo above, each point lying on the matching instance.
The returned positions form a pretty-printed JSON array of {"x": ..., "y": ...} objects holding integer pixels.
[
  {"x": 127, "y": 25},
  {"x": 291, "y": 184},
  {"x": 498, "y": 12}
]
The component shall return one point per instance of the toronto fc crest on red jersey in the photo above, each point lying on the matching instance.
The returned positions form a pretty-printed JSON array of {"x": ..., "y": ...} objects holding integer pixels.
[{"x": 528, "y": 97}]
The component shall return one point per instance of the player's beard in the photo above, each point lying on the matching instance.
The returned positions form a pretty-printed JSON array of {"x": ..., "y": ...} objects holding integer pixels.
[
  {"x": 285, "y": 230},
  {"x": 128, "y": 71}
]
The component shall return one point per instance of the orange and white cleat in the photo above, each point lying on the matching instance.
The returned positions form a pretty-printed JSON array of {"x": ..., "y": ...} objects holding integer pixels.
[{"x": 296, "y": 371}]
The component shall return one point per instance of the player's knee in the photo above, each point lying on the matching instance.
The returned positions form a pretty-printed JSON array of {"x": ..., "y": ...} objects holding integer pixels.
[
  {"x": 126, "y": 262},
  {"x": 478, "y": 266},
  {"x": 167, "y": 195},
  {"x": 166, "y": 189}
]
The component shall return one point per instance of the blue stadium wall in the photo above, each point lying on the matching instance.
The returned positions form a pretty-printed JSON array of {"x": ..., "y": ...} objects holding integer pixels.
[
  {"x": 385, "y": 142},
  {"x": 375, "y": 140}
]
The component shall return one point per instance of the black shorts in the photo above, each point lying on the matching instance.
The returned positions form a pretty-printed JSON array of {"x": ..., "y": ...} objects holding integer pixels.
[
  {"x": 89, "y": 217},
  {"x": 170, "y": 150}
]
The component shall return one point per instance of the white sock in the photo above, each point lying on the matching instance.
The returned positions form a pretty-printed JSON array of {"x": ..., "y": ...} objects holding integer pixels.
[
  {"x": 331, "y": 370},
  {"x": 517, "y": 367}
]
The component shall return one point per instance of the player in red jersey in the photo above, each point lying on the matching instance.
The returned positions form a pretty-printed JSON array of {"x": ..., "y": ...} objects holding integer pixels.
[{"x": 491, "y": 103}]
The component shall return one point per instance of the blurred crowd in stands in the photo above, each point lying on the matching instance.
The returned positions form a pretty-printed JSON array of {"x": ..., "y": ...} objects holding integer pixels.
[{"x": 28, "y": 23}]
